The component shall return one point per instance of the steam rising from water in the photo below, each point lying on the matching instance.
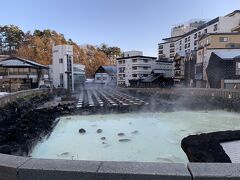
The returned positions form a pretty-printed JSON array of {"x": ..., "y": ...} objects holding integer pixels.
[{"x": 151, "y": 137}]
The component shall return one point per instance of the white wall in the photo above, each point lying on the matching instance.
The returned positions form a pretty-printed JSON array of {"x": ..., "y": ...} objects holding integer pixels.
[
  {"x": 129, "y": 71},
  {"x": 61, "y": 52}
]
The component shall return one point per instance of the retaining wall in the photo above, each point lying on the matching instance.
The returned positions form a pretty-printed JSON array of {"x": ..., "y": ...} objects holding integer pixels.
[
  {"x": 24, "y": 168},
  {"x": 21, "y": 168},
  {"x": 13, "y": 96}
]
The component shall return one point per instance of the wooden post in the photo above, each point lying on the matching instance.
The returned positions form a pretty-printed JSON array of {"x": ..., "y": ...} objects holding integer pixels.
[{"x": 222, "y": 84}]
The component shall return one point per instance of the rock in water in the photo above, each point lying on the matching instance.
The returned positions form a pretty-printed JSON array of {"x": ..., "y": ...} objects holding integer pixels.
[
  {"x": 121, "y": 134},
  {"x": 65, "y": 154},
  {"x": 135, "y": 132},
  {"x": 124, "y": 140},
  {"x": 99, "y": 131},
  {"x": 103, "y": 138},
  {"x": 82, "y": 131}
]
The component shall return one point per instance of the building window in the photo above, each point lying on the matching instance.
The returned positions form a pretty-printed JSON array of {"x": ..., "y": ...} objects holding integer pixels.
[
  {"x": 122, "y": 70},
  {"x": 145, "y": 68},
  {"x": 215, "y": 27},
  {"x": 195, "y": 36},
  {"x": 145, "y": 60},
  {"x": 189, "y": 45},
  {"x": 208, "y": 42},
  {"x": 185, "y": 40},
  {"x": 60, "y": 60},
  {"x": 188, "y": 38},
  {"x": 134, "y": 75},
  {"x": 185, "y": 46},
  {"x": 195, "y": 42},
  {"x": 205, "y": 31},
  {"x": 161, "y": 52},
  {"x": 171, "y": 45},
  {"x": 238, "y": 68},
  {"x": 61, "y": 80},
  {"x": 134, "y": 60},
  {"x": 223, "y": 39},
  {"x": 160, "y": 46},
  {"x": 180, "y": 42},
  {"x": 172, "y": 50},
  {"x": 199, "y": 34},
  {"x": 134, "y": 68}
]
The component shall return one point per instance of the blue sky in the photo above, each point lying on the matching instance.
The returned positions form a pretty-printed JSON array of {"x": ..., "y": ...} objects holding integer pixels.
[{"x": 128, "y": 24}]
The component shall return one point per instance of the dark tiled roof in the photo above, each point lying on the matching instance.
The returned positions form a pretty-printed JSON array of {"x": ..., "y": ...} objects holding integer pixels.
[
  {"x": 110, "y": 69},
  {"x": 20, "y": 62},
  {"x": 151, "y": 78},
  {"x": 130, "y": 57}
]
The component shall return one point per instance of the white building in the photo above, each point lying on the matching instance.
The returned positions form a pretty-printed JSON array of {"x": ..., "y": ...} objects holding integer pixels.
[
  {"x": 166, "y": 67},
  {"x": 132, "y": 66},
  {"x": 189, "y": 41},
  {"x": 62, "y": 67}
]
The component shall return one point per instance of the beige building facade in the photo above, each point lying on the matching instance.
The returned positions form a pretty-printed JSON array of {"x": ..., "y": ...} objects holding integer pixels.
[{"x": 213, "y": 42}]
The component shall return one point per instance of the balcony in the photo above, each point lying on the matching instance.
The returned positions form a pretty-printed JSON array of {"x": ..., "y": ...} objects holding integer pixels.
[
  {"x": 142, "y": 63},
  {"x": 160, "y": 47}
]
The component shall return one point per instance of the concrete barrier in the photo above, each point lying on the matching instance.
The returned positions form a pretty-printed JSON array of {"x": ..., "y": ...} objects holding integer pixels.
[
  {"x": 13, "y": 96},
  {"x": 23, "y": 168},
  {"x": 20, "y": 168}
]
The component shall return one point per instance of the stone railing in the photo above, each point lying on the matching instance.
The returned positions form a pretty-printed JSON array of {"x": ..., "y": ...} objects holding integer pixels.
[
  {"x": 224, "y": 93},
  {"x": 13, "y": 96},
  {"x": 21, "y": 168}
]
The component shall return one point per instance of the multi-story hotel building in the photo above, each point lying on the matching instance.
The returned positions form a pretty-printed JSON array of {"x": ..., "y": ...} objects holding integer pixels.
[
  {"x": 185, "y": 41},
  {"x": 132, "y": 66}
]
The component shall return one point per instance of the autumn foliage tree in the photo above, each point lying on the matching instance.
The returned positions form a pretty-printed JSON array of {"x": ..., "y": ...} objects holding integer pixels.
[{"x": 38, "y": 45}]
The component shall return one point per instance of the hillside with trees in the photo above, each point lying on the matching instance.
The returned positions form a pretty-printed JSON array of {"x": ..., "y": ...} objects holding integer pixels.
[{"x": 37, "y": 46}]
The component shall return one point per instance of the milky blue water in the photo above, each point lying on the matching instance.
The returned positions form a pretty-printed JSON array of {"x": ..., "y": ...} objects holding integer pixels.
[{"x": 158, "y": 137}]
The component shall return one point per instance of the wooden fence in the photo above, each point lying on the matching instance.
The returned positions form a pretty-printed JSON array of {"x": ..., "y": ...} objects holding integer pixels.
[{"x": 224, "y": 93}]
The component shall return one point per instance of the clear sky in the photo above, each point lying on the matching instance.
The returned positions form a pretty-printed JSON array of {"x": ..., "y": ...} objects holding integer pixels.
[{"x": 128, "y": 24}]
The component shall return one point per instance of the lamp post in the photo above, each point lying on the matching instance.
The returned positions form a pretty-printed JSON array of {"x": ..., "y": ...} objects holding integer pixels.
[{"x": 28, "y": 74}]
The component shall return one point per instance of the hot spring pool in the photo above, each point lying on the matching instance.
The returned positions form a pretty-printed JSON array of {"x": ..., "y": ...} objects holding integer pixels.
[{"x": 154, "y": 137}]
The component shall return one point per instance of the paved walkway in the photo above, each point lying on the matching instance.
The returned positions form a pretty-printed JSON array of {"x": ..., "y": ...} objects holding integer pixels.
[{"x": 232, "y": 150}]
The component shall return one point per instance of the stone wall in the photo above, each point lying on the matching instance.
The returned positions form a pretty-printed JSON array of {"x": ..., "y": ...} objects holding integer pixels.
[{"x": 20, "y": 94}]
